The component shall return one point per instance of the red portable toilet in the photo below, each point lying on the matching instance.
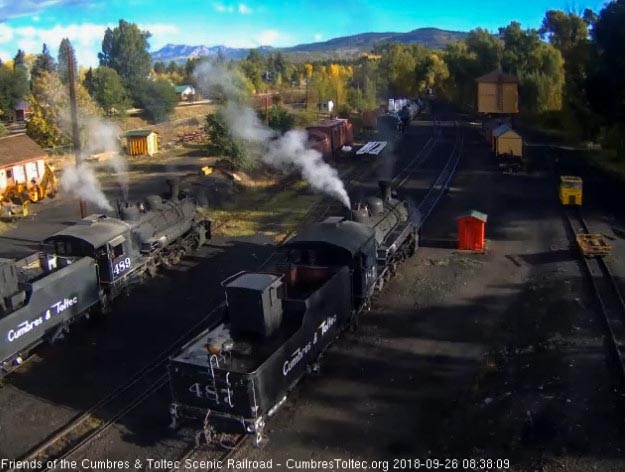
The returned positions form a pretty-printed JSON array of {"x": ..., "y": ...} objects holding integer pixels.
[{"x": 471, "y": 231}]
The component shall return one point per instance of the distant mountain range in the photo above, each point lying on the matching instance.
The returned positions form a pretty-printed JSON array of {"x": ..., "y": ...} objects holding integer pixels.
[{"x": 343, "y": 47}]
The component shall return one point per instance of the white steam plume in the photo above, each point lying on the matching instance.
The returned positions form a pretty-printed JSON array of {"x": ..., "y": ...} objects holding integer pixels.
[
  {"x": 102, "y": 137},
  {"x": 282, "y": 152},
  {"x": 82, "y": 182}
]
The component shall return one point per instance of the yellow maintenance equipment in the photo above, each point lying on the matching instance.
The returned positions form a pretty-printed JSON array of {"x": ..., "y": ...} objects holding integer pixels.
[
  {"x": 207, "y": 170},
  {"x": 570, "y": 190},
  {"x": 12, "y": 211},
  {"x": 593, "y": 245}
]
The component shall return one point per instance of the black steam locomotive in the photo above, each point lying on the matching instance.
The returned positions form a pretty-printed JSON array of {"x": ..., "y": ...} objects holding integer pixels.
[
  {"x": 277, "y": 323},
  {"x": 85, "y": 266}
]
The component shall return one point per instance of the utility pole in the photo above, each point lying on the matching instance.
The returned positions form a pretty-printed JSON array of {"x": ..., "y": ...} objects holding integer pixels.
[{"x": 75, "y": 130}]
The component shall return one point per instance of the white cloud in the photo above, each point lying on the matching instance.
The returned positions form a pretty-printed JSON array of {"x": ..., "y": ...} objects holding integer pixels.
[
  {"x": 6, "y": 33},
  {"x": 244, "y": 9},
  {"x": 14, "y": 9},
  {"x": 241, "y": 8},
  {"x": 86, "y": 38},
  {"x": 318, "y": 37},
  {"x": 268, "y": 37},
  {"x": 221, "y": 8}
]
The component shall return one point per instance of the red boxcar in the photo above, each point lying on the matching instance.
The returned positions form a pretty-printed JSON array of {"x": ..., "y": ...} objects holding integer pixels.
[{"x": 329, "y": 136}]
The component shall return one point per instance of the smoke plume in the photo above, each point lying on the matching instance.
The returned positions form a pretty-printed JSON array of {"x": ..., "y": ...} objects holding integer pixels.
[
  {"x": 82, "y": 182},
  {"x": 279, "y": 151}
]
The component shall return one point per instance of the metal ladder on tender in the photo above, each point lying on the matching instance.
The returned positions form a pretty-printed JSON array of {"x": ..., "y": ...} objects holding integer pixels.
[{"x": 214, "y": 364}]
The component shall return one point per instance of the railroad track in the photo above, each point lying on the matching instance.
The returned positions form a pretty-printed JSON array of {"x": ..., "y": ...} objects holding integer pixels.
[
  {"x": 610, "y": 304},
  {"x": 437, "y": 189},
  {"x": 440, "y": 186},
  {"x": 90, "y": 424}
]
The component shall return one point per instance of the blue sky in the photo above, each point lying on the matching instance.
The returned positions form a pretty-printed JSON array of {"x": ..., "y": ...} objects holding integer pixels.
[{"x": 27, "y": 24}]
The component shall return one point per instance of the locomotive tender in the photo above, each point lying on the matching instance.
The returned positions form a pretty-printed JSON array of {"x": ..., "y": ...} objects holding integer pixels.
[
  {"x": 278, "y": 323},
  {"x": 85, "y": 266}
]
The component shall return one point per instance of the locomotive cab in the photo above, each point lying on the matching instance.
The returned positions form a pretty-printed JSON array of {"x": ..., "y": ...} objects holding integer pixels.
[{"x": 107, "y": 240}]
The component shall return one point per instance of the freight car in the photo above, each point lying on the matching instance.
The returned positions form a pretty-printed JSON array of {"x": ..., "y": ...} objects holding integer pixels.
[
  {"x": 330, "y": 137},
  {"x": 85, "y": 266},
  {"x": 277, "y": 323}
]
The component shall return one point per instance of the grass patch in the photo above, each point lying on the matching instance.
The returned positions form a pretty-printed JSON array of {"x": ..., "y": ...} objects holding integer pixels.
[
  {"x": 7, "y": 226},
  {"x": 264, "y": 211}
]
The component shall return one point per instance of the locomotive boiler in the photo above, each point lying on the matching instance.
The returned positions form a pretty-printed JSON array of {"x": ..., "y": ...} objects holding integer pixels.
[{"x": 277, "y": 323}]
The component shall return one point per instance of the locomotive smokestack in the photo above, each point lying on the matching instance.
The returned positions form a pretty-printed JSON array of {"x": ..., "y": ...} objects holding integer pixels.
[
  {"x": 174, "y": 188},
  {"x": 385, "y": 189}
]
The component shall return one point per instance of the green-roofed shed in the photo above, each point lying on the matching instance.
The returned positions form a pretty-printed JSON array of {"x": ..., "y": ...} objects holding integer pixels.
[{"x": 141, "y": 142}]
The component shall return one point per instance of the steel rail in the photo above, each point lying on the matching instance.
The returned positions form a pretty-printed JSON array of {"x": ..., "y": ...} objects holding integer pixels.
[
  {"x": 311, "y": 217},
  {"x": 607, "y": 294},
  {"x": 71, "y": 427},
  {"x": 440, "y": 186}
]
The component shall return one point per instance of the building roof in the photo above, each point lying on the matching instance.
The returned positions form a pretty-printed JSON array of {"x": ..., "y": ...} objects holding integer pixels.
[
  {"x": 328, "y": 123},
  {"x": 475, "y": 214},
  {"x": 18, "y": 149},
  {"x": 509, "y": 133},
  {"x": 140, "y": 133},
  {"x": 501, "y": 130},
  {"x": 497, "y": 76},
  {"x": 21, "y": 105},
  {"x": 345, "y": 234},
  {"x": 182, "y": 88}
]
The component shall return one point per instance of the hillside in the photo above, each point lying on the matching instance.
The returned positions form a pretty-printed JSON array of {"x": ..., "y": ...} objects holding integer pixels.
[{"x": 338, "y": 47}]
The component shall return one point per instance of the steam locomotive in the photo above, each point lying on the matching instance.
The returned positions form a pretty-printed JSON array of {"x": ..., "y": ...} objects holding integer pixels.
[
  {"x": 277, "y": 323},
  {"x": 85, "y": 266}
]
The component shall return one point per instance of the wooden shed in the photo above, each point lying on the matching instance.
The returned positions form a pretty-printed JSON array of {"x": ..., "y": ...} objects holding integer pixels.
[
  {"x": 508, "y": 142},
  {"x": 497, "y": 93},
  {"x": 471, "y": 231},
  {"x": 498, "y": 131},
  {"x": 23, "y": 166},
  {"x": 489, "y": 126},
  {"x": 142, "y": 142}
]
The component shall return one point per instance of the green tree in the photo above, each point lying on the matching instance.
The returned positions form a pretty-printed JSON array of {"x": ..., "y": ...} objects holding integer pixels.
[
  {"x": 106, "y": 88},
  {"x": 19, "y": 61},
  {"x": 66, "y": 50},
  {"x": 125, "y": 49},
  {"x": 3, "y": 130},
  {"x": 158, "y": 99},
  {"x": 278, "y": 118},
  {"x": 223, "y": 143},
  {"x": 44, "y": 62},
  {"x": 159, "y": 67},
  {"x": 569, "y": 33},
  {"x": 49, "y": 124},
  {"x": 606, "y": 77},
  {"x": 13, "y": 87}
]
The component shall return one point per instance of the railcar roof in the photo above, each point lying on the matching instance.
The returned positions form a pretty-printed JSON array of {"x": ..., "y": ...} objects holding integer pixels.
[
  {"x": 345, "y": 234},
  {"x": 96, "y": 233}
]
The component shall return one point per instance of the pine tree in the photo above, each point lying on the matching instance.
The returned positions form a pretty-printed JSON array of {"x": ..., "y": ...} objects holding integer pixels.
[
  {"x": 65, "y": 50},
  {"x": 43, "y": 63}
]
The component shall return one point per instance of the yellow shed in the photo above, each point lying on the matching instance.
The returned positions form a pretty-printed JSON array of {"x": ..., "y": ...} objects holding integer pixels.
[
  {"x": 497, "y": 93},
  {"x": 508, "y": 142},
  {"x": 142, "y": 142}
]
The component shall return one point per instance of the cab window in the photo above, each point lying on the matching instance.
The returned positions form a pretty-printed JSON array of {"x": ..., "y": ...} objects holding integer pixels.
[{"x": 117, "y": 251}]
